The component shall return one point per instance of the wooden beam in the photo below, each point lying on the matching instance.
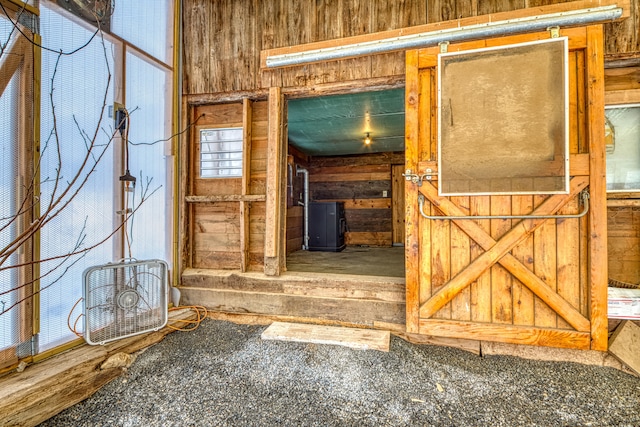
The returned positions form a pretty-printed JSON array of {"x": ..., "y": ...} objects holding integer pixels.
[
  {"x": 474, "y": 20},
  {"x": 625, "y": 345},
  {"x": 493, "y": 255},
  {"x": 598, "y": 190},
  {"x": 224, "y": 97},
  {"x": 515, "y": 267},
  {"x": 245, "y": 207},
  {"x": 275, "y": 155},
  {"x": 618, "y": 97},
  {"x": 11, "y": 60},
  {"x": 226, "y": 198},
  {"x": 505, "y": 333},
  {"x": 623, "y": 203},
  {"x": 412, "y": 133},
  {"x": 185, "y": 184}
]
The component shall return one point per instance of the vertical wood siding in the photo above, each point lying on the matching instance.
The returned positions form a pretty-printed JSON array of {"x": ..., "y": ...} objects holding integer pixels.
[{"x": 223, "y": 38}]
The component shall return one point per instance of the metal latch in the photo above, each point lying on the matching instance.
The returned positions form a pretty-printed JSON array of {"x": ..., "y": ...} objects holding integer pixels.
[{"x": 417, "y": 178}]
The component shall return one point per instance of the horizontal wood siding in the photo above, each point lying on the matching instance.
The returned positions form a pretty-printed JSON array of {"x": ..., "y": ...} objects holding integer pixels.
[
  {"x": 223, "y": 38},
  {"x": 215, "y": 222},
  {"x": 359, "y": 181},
  {"x": 624, "y": 243}
]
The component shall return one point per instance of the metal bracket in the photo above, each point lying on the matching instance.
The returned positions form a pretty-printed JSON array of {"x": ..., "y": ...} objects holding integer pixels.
[
  {"x": 444, "y": 47},
  {"x": 555, "y": 31},
  {"x": 584, "y": 199},
  {"x": 417, "y": 178}
]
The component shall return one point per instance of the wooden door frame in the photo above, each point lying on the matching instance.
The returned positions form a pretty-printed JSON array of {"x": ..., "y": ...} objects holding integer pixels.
[{"x": 420, "y": 120}]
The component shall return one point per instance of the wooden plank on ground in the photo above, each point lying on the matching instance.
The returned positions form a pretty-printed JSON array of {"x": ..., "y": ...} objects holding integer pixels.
[
  {"x": 360, "y": 339},
  {"x": 624, "y": 344}
]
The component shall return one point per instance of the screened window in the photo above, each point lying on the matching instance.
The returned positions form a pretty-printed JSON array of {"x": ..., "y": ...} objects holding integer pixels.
[
  {"x": 221, "y": 153},
  {"x": 503, "y": 117},
  {"x": 622, "y": 135}
]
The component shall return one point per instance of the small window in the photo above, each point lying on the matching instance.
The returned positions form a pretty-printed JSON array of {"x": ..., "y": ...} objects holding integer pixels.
[
  {"x": 622, "y": 137},
  {"x": 221, "y": 153}
]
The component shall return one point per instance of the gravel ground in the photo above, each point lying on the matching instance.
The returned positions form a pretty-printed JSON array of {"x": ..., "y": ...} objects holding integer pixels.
[{"x": 223, "y": 374}]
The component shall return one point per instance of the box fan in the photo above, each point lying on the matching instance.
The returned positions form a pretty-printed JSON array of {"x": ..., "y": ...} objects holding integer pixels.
[{"x": 124, "y": 299}]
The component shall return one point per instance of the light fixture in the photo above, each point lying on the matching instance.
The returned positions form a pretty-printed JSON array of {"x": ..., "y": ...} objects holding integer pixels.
[{"x": 367, "y": 139}]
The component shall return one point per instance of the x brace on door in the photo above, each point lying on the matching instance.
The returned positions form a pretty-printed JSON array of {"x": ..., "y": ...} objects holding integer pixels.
[{"x": 498, "y": 252}]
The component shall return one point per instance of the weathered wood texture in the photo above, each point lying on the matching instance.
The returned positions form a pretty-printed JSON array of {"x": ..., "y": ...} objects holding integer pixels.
[
  {"x": 223, "y": 38},
  {"x": 623, "y": 214},
  {"x": 625, "y": 345},
  {"x": 356, "y": 338},
  {"x": 363, "y": 183},
  {"x": 522, "y": 281},
  {"x": 354, "y": 299},
  {"x": 623, "y": 245},
  {"x": 227, "y": 215}
]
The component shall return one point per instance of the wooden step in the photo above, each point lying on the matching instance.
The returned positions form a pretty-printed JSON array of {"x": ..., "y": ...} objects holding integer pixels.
[
  {"x": 325, "y": 285},
  {"x": 361, "y": 339},
  {"x": 354, "y": 299}
]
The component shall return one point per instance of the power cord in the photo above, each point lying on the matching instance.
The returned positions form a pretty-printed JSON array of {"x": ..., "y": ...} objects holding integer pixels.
[{"x": 187, "y": 325}]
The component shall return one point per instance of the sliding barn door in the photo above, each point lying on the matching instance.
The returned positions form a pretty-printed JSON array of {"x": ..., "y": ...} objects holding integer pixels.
[{"x": 531, "y": 280}]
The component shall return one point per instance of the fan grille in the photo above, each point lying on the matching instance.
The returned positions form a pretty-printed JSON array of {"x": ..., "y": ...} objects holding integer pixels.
[{"x": 124, "y": 299}]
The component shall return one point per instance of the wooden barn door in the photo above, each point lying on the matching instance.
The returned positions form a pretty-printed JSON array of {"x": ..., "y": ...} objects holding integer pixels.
[{"x": 526, "y": 281}]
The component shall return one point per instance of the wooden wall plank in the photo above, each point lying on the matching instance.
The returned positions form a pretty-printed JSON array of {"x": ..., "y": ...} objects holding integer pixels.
[
  {"x": 501, "y": 280},
  {"x": 460, "y": 259},
  {"x": 506, "y": 333},
  {"x": 228, "y": 58},
  {"x": 397, "y": 208},
  {"x": 545, "y": 267},
  {"x": 275, "y": 155},
  {"x": 598, "y": 192},
  {"x": 568, "y": 258},
  {"x": 369, "y": 238},
  {"x": 624, "y": 36},
  {"x": 480, "y": 289},
  {"x": 493, "y": 6},
  {"x": 441, "y": 261},
  {"x": 523, "y": 301},
  {"x": 623, "y": 243},
  {"x": 413, "y": 267},
  {"x": 247, "y": 126}
]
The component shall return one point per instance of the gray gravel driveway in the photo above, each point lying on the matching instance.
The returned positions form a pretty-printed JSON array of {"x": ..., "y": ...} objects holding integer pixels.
[{"x": 223, "y": 374}]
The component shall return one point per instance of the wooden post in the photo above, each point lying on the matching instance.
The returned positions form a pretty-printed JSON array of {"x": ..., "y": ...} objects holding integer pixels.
[
  {"x": 598, "y": 190},
  {"x": 412, "y": 230},
  {"x": 185, "y": 173},
  {"x": 275, "y": 155},
  {"x": 247, "y": 110}
]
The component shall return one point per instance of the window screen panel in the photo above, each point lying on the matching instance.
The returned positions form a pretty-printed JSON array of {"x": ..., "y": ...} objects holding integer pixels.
[
  {"x": 9, "y": 150},
  {"x": 153, "y": 34},
  {"x": 503, "y": 119},
  {"x": 221, "y": 153},
  {"x": 148, "y": 98},
  {"x": 623, "y": 152},
  {"x": 79, "y": 89}
]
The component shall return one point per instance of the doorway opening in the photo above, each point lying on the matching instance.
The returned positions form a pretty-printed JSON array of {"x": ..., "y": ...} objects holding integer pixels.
[{"x": 345, "y": 189}]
